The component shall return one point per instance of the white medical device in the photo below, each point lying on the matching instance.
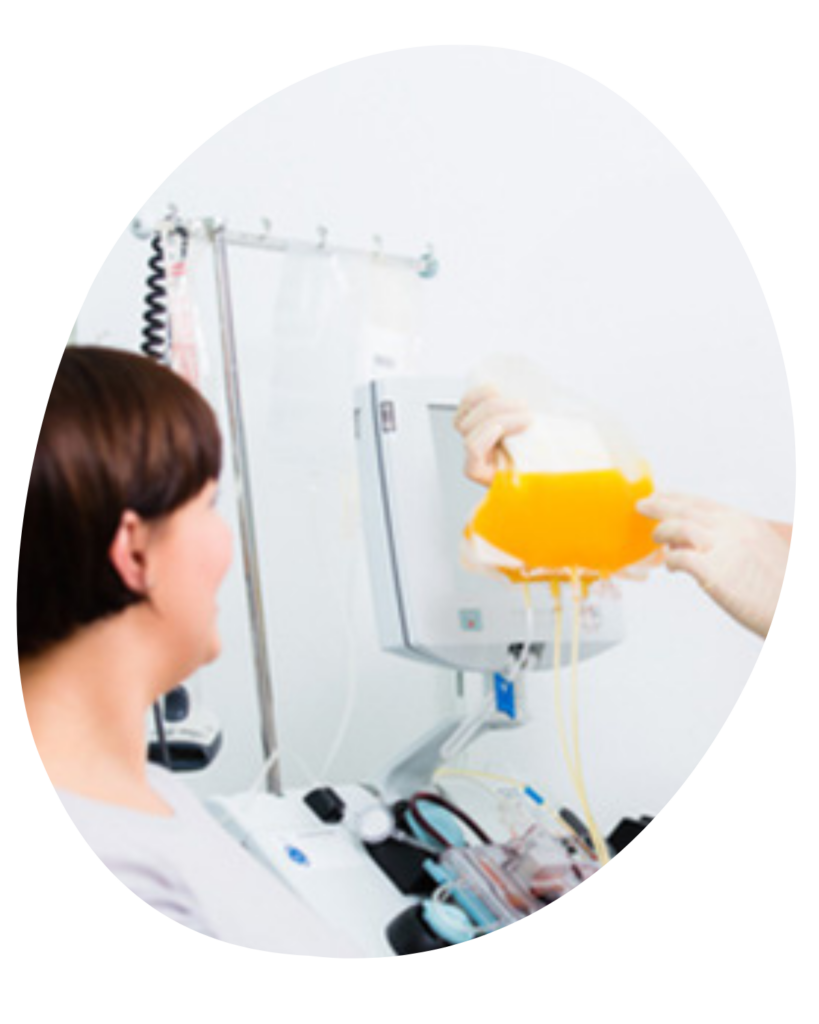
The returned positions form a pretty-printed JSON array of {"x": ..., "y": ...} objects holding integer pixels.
[{"x": 415, "y": 503}]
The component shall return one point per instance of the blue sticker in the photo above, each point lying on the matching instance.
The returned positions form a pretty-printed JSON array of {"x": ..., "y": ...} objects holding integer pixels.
[
  {"x": 505, "y": 696},
  {"x": 296, "y": 855}
]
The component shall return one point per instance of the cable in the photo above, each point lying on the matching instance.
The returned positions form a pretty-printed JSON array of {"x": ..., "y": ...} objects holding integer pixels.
[
  {"x": 155, "y": 331},
  {"x": 520, "y": 665},
  {"x": 158, "y": 327},
  {"x": 164, "y": 753},
  {"x": 439, "y": 801},
  {"x": 558, "y": 644},
  {"x": 257, "y": 782},
  {"x": 579, "y": 782},
  {"x": 572, "y": 758},
  {"x": 597, "y": 839},
  {"x": 475, "y": 776},
  {"x": 154, "y": 346},
  {"x": 346, "y": 599}
]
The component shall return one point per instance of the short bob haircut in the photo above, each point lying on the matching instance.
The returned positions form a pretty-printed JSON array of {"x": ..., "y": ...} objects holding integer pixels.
[{"x": 120, "y": 432}]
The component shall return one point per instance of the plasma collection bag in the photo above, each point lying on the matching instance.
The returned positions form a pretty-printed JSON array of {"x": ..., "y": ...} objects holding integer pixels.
[{"x": 562, "y": 502}]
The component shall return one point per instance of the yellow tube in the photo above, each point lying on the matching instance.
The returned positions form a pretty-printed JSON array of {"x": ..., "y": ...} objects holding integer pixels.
[
  {"x": 559, "y": 717},
  {"x": 572, "y": 757}
]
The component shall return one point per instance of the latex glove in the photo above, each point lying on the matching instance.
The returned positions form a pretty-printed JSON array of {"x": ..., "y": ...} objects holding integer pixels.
[
  {"x": 485, "y": 418},
  {"x": 738, "y": 559}
]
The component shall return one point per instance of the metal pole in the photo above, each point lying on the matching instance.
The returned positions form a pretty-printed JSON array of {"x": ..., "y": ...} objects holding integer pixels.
[
  {"x": 244, "y": 496},
  {"x": 426, "y": 265}
]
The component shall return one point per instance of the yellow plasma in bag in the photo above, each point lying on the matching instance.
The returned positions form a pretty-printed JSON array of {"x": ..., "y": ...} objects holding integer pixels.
[{"x": 556, "y": 522}]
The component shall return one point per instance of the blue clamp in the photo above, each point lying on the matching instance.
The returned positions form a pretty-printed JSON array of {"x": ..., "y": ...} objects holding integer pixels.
[
  {"x": 447, "y": 922},
  {"x": 441, "y": 820}
]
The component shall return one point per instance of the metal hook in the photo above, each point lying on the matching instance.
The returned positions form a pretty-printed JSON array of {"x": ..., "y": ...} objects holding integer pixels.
[
  {"x": 322, "y": 232},
  {"x": 429, "y": 264},
  {"x": 138, "y": 229}
]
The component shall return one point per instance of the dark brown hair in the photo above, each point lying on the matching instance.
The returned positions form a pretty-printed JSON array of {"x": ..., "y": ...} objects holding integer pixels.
[{"x": 120, "y": 432}]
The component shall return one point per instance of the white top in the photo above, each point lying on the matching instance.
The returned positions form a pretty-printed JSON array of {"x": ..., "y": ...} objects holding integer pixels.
[{"x": 190, "y": 869}]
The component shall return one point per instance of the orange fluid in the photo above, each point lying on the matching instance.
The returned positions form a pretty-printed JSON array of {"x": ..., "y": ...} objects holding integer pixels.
[{"x": 556, "y": 522}]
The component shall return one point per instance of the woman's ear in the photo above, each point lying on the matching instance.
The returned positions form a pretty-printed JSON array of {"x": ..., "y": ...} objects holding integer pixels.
[{"x": 129, "y": 552}]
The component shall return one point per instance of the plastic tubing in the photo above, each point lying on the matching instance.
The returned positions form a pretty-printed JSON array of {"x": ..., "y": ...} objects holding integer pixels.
[
  {"x": 520, "y": 665},
  {"x": 572, "y": 757},
  {"x": 476, "y": 776},
  {"x": 455, "y": 811}
]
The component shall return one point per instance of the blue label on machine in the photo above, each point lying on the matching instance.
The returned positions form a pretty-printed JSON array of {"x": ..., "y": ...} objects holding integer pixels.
[
  {"x": 297, "y": 856},
  {"x": 505, "y": 701}
]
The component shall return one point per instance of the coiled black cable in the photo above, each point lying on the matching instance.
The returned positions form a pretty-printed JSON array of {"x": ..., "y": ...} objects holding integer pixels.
[
  {"x": 155, "y": 331},
  {"x": 155, "y": 346}
]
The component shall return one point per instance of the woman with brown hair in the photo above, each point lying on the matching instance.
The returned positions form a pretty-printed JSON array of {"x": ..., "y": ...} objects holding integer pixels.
[{"x": 121, "y": 559}]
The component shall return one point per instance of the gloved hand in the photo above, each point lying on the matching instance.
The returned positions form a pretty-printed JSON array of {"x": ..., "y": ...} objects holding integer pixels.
[
  {"x": 738, "y": 559},
  {"x": 485, "y": 418}
]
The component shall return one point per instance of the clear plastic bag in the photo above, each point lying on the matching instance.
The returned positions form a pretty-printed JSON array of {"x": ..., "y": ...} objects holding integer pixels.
[{"x": 562, "y": 502}]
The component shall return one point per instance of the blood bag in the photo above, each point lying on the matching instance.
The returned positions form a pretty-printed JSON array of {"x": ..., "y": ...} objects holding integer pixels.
[{"x": 562, "y": 502}]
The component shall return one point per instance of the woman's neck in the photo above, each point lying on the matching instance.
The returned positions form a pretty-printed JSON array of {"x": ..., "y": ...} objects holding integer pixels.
[{"x": 86, "y": 699}]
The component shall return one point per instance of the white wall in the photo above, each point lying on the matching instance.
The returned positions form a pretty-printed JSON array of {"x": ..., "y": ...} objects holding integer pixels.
[{"x": 570, "y": 229}]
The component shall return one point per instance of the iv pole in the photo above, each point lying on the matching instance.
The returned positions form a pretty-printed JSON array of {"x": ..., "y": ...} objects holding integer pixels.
[
  {"x": 426, "y": 266},
  {"x": 244, "y": 497}
]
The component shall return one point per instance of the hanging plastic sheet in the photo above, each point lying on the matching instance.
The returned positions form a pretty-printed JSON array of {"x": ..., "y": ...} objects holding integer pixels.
[
  {"x": 337, "y": 322},
  {"x": 389, "y": 342},
  {"x": 185, "y": 250}
]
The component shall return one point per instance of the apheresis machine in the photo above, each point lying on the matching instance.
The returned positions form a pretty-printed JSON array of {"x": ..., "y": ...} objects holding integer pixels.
[{"x": 392, "y": 861}]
